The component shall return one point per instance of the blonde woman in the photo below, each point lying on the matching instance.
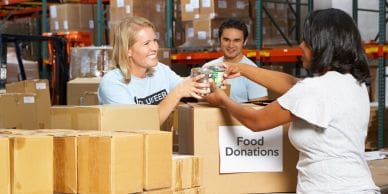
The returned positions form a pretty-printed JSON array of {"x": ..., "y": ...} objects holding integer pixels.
[{"x": 137, "y": 76}]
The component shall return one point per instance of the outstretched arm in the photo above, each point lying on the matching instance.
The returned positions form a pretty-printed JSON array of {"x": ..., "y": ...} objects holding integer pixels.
[
  {"x": 189, "y": 87},
  {"x": 268, "y": 117},
  {"x": 276, "y": 81}
]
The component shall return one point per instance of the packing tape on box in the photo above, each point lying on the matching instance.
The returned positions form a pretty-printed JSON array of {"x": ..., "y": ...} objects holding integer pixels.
[
  {"x": 195, "y": 175},
  {"x": 178, "y": 175}
]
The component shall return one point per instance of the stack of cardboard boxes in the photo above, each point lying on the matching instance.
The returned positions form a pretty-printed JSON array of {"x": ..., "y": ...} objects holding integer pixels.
[
  {"x": 66, "y": 161},
  {"x": 75, "y": 17},
  {"x": 201, "y": 19}
]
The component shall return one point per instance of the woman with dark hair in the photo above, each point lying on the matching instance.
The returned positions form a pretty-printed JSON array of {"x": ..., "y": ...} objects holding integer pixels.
[{"x": 329, "y": 112}]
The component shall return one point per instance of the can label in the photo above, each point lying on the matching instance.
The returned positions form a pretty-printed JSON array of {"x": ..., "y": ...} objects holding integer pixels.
[
  {"x": 199, "y": 71},
  {"x": 218, "y": 76}
]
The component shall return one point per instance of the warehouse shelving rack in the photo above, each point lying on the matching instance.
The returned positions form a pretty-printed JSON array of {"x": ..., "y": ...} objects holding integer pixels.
[
  {"x": 288, "y": 54},
  {"x": 379, "y": 50}
]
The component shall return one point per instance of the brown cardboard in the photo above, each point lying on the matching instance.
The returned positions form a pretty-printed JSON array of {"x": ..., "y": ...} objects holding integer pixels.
[
  {"x": 186, "y": 172},
  {"x": 224, "y": 9},
  {"x": 106, "y": 117},
  {"x": 31, "y": 164},
  {"x": 158, "y": 191},
  {"x": 18, "y": 111},
  {"x": 65, "y": 163},
  {"x": 196, "y": 190},
  {"x": 70, "y": 17},
  {"x": 62, "y": 117},
  {"x": 190, "y": 10},
  {"x": 157, "y": 159},
  {"x": 198, "y": 135},
  {"x": 153, "y": 10},
  {"x": 206, "y": 32},
  {"x": 110, "y": 162},
  {"x": 41, "y": 88},
  {"x": 5, "y": 184},
  {"x": 82, "y": 91},
  {"x": 8, "y": 111}
]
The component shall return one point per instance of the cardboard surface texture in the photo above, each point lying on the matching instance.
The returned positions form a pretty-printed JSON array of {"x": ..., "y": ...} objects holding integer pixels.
[
  {"x": 198, "y": 135},
  {"x": 187, "y": 172},
  {"x": 41, "y": 89},
  {"x": 106, "y": 117},
  {"x": 110, "y": 162},
  {"x": 82, "y": 91},
  {"x": 65, "y": 163},
  {"x": 157, "y": 159},
  {"x": 31, "y": 164},
  {"x": 18, "y": 111},
  {"x": 5, "y": 184}
]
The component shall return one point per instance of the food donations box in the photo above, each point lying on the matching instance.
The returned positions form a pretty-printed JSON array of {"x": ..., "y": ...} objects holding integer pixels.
[{"x": 235, "y": 159}]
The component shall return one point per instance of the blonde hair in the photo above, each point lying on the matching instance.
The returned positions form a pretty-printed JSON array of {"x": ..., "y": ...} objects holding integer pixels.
[{"x": 123, "y": 39}]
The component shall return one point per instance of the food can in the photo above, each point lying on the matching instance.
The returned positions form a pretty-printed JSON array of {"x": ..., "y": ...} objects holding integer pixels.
[
  {"x": 199, "y": 71},
  {"x": 218, "y": 75}
]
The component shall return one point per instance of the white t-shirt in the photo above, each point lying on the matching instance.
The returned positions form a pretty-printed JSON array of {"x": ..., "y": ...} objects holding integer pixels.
[
  {"x": 242, "y": 89},
  {"x": 148, "y": 90},
  {"x": 332, "y": 113}
]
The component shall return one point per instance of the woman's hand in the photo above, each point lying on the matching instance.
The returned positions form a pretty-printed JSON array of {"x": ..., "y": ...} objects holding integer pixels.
[
  {"x": 216, "y": 97},
  {"x": 232, "y": 70},
  {"x": 190, "y": 87}
]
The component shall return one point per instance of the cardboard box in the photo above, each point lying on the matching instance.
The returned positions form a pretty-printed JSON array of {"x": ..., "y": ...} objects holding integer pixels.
[
  {"x": 190, "y": 10},
  {"x": 18, "y": 111},
  {"x": 153, "y": 10},
  {"x": 105, "y": 117},
  {"x": 31, "y": 164},
  {"x": 199, "y": 131},
  {"x": 157, "y": 159},
  {"x": 158, "y": 191},
  {"x": 65, "y": 163},
  {"x": 206, "y": 32},
  {"x": 82, "y": 91},
  {"x": 5, "y": 184},
  {"x": 371, "y": 139},
  {"x": 41, "y": 88},
  {"x": 71, "y": 17},
  {"x": 211, "y": 9},
  {"x": 110, "y": 162},
  {"x": 186, "y": 172},
  {"x": 196, "y": 190},
  {"x": 65, "y": 159}
]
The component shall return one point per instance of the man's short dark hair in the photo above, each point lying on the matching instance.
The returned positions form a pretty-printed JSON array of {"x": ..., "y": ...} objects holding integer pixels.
[{"x": 233, "y": 23}]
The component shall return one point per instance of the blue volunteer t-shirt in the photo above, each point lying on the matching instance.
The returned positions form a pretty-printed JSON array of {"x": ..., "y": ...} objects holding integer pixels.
[{"x": 148, "y": 90}]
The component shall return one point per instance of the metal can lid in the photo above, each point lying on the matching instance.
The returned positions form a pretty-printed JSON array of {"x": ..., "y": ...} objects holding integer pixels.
[{"x": 205, "y": 71}]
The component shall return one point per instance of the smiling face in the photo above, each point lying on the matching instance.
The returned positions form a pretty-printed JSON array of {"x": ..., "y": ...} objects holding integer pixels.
[
  {"x": 231, "y": 43},
  {"x": 143, "y": 53},
  {"x": 307, "y": 55}
]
